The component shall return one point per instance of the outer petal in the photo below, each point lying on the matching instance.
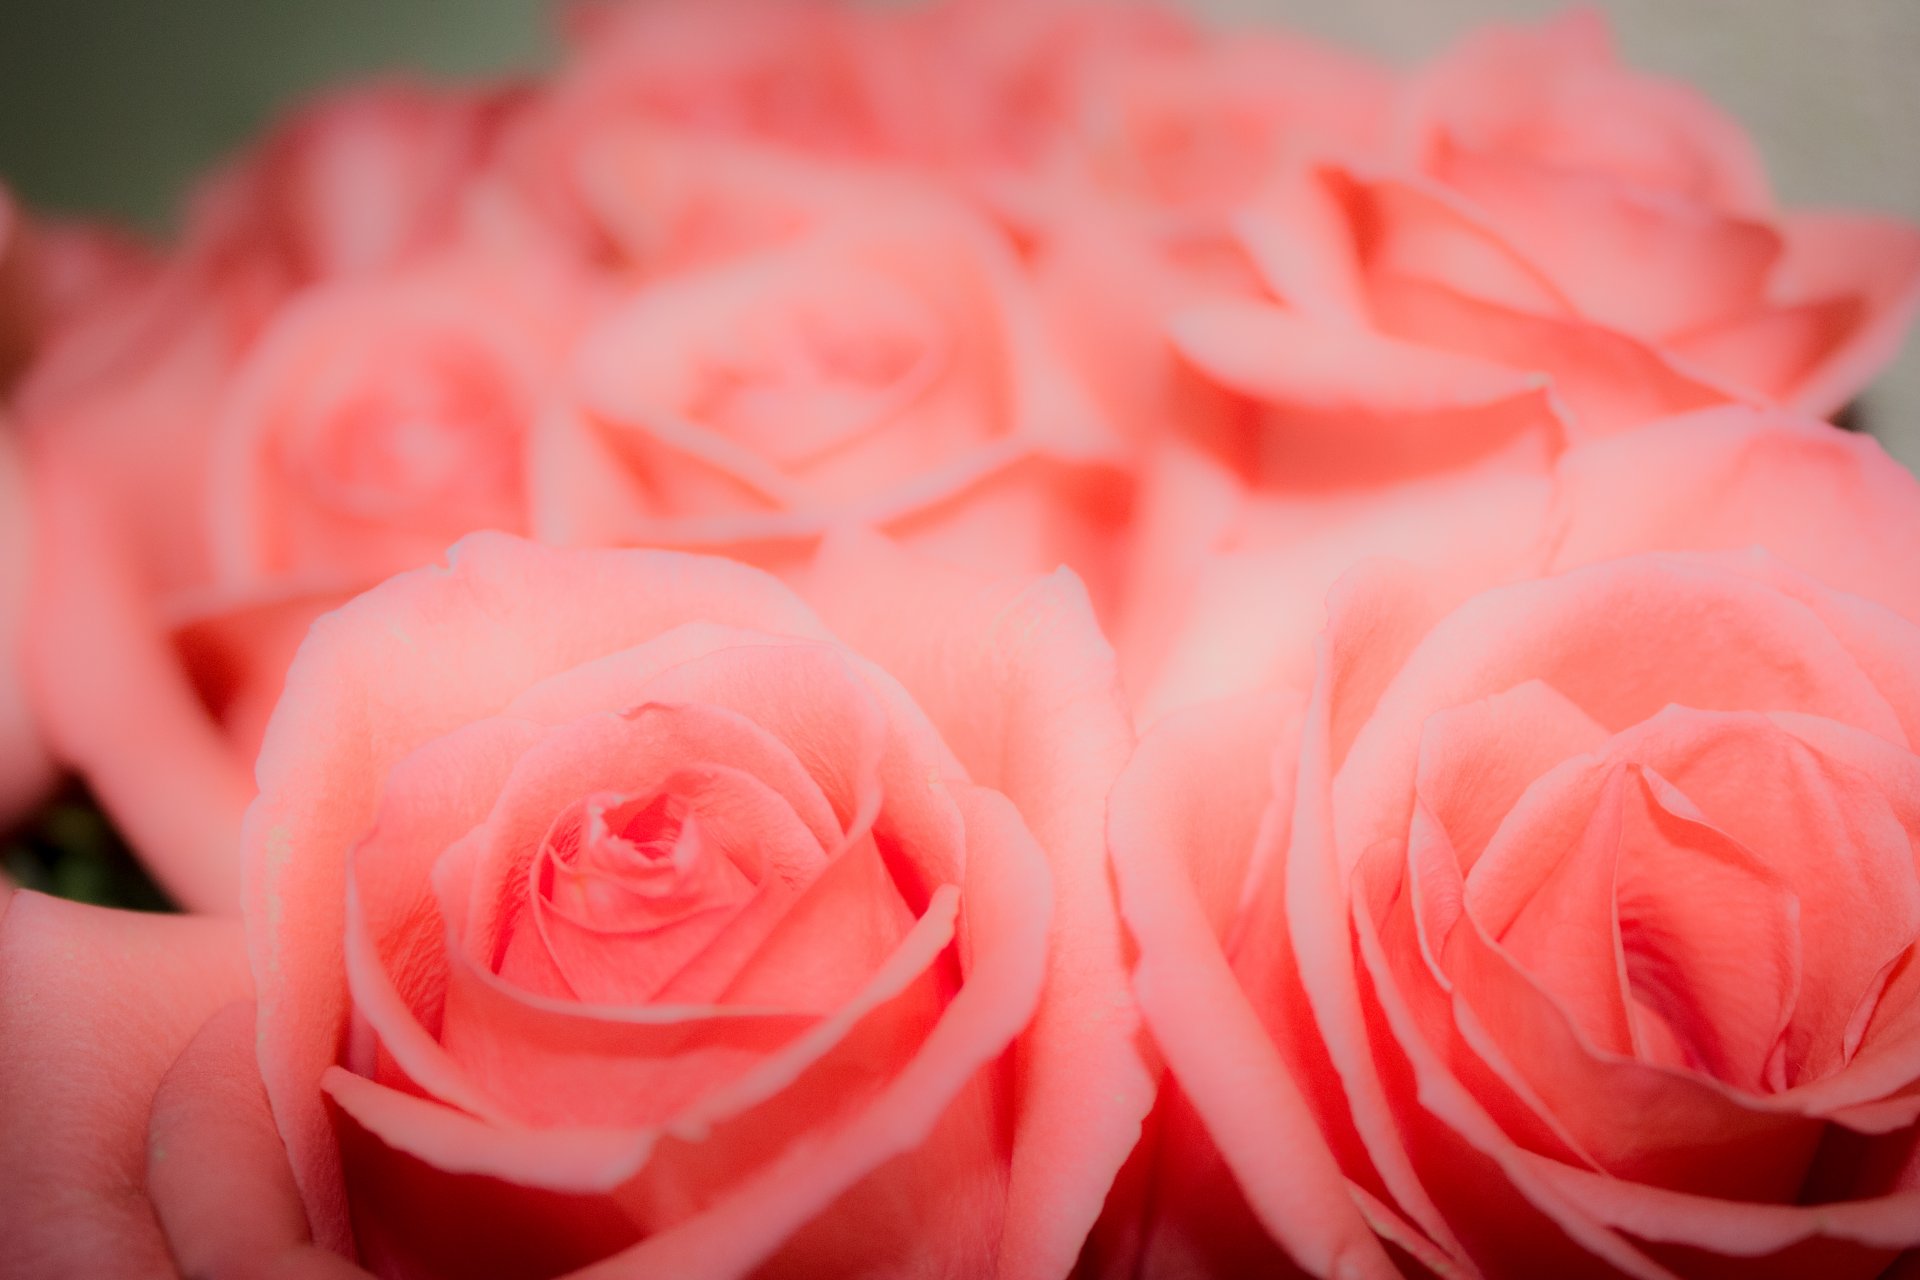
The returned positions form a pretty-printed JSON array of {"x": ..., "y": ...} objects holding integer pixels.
[
  {"x": 1829, "y": 503},
  {"x": 1183, "y": 826},
  {"x": 1023, "y": 687},
  {"x": 25, "y": 770},
  {"x": 376, "y": 680},
  {"x": 215, "y": 1165},
  {"x": 94, "y": 1007},
  {"x": 115, "y": 700},
  {"x": 1875, "y": 262}
]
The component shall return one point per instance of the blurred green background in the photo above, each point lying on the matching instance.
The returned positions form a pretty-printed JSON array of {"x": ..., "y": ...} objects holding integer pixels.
[{"x": 112, "y": 105}]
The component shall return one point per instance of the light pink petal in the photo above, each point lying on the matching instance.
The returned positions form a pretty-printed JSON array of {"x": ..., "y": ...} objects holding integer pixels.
[
  {"x": 94, "y": 1007},
  {"x": 1477, "y": 759},
  {"x": 375, "y": 420},
  {"x": 1856, "y": 908},
  {"x": 789, "y": 709},
  {"x": 1555, "y": 92},
  {"x": 949, "y": 378},
  {"x": 1774, "y": 349},
  {"x": 1376, "y": 616},
  {"x": 1417, "y": 230}
]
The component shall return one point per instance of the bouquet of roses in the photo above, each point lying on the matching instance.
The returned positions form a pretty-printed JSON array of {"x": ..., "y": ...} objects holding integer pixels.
[{"x": 1072, "y": 645}]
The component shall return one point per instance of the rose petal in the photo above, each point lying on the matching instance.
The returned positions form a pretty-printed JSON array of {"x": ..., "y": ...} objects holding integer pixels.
[
  {"x": 94, "y": 1007},
  {"x": 1692, "y": 265},
  {"x": 1008, "y": 905},
  {"x": 1180, "y": 888},
  {"x": 216, "y": 1168},
  {"x": 1051, "y": 736},
  {"x": 1827, "y": 502},
  {"x": 113, "y": 699},
  {"x": 27, "y": 770}
]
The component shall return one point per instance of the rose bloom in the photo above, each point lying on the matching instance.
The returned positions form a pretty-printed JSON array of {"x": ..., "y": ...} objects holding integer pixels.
[
  {"x": 202, "y": 499},
  {"x": 1554, "y": 249},
  {"x": 616, "y": 912},
  {"x": 1565, "y": 927},
  {"x": 1155, "y": 136},
  {"x": 884, "y": 365},
  {"x": 1553, "y": 213}
]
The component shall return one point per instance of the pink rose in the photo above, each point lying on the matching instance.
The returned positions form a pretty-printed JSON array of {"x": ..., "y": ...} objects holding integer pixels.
[
  {"x": 1168, "y": 127},
  {"x": 359, "y": 181},
  {"x": 885, "y": 366},
  {"x": 613, "y": 913},
  {"x": 200, "y": 506},
  {"x": 1565, "y": 928},
  {"x": 1555, "y": 214},
  {"x": 1152, "y": 138}
]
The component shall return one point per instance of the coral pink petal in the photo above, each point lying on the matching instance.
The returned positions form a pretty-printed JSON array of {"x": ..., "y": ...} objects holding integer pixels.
[
  {"x": 216, "y": 1168},
  {"x": 1746, "y": 645},
  {"x": 1477, "y": 759},
  {"x": 792, "y": 712},
  {"x": 359, "y": 697},
  {"x": 1008, "y": 906},
  {"x": 1182, "y": 868},
  {"x": 395, "y": 939},
  {"x": 1732, "y": 1229},
  {"x": 1251, "y": 615},
  {"x": 1051, "y": 736},
  {"x": 597, "y": 1158},
  {"x": 1609, "y": 381},
  {"x": 1279, "y": 357},
  {"x": 1690, "y": 265},
  {"x": 95, "y": 1005},
  {"x": 1827, "y": 502},
  {"x": 113, "y": 699},
  {"x": 1873, "y": 260}
]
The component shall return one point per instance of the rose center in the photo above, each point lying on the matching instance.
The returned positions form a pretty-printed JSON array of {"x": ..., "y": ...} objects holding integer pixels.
[
  {"x": 620, "y": 863},
  {"x": 433, "y": 436}
]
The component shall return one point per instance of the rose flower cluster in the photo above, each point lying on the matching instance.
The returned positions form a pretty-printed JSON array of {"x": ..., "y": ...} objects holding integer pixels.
[{"x": 1000, "y": 638}]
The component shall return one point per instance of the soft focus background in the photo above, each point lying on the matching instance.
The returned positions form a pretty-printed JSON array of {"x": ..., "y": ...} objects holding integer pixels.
[{"x": 112, "y": 105}]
